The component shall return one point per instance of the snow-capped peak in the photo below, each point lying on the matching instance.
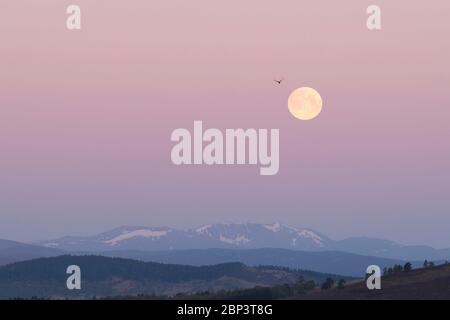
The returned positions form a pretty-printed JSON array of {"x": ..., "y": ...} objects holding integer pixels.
[
  {"x": 248, "y": 235},
  {"x": 305, "y": 233}
]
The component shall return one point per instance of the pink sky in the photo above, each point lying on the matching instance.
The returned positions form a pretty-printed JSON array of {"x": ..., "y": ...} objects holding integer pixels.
[{"x": 86, "y": 116}]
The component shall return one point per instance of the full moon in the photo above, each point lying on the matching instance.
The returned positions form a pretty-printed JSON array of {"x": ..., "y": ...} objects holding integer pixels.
[{"x": 305, "y": 103}]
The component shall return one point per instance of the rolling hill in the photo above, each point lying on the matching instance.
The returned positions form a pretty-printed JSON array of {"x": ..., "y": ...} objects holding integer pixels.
[{"x": 103, "y": 276}]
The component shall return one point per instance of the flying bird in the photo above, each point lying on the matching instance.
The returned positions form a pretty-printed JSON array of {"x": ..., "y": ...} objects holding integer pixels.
[{"x": 279, "y": 81}]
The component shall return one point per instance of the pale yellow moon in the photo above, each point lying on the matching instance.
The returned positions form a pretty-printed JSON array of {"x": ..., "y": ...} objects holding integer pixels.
[{"x": 305, "y": 103}]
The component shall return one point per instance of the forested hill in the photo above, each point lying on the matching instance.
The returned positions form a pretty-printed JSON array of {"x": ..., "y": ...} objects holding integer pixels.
[{"x": 103, "y": 276}]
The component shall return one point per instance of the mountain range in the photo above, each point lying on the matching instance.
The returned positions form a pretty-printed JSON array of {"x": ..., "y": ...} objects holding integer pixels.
[
  {"x": 239, "y": 236},
  {"x": 168, "y": 261},
  {"x": 334, "y": 262}
]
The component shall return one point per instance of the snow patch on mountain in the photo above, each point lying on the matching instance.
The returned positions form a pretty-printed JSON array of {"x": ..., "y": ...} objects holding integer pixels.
[
  {"x": 308, "y": 234},
  {"x": 204, "y": 230},
  {"x": 276, "y": 227},
  {"x": 51, "y": 245},
  {"x": 236, "y": 241},
  {"x": 137, "y": 233}
]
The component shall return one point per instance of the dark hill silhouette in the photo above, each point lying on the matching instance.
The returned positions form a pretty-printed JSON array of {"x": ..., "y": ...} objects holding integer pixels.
[{"x": 431, "y": 283}]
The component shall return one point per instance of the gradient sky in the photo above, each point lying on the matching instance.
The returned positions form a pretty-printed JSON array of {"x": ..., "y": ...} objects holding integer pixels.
[{"x": 86, "y": 116}]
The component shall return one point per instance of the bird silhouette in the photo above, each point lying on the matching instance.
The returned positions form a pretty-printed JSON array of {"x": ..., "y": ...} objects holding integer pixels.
[{"x": 279, "y": 81}]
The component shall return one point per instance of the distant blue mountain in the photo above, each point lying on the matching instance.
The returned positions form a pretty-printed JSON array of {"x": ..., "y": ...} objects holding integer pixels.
[
  {"x": 334, "y": 262},
  {"x": 12, "y": 251},
  {"x": 390, "y": 249},
  {"x": 240, "y": 236},
  {"x": 204, "y": 237}
]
